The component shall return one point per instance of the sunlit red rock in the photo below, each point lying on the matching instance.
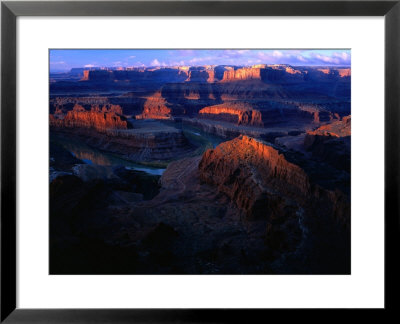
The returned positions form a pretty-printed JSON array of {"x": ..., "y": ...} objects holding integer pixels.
[
  {"x": 338, "y": 128},
  {"x": 155, "y": 108},
  {"x": 243, "y": 113},
  {"x": 85, "y": 75},
  {"x": 201, "y": 74},
  {"x": 242, "y": 74},
  {"x": 345, "y": 72},
  {"x": 291, "y": 70},
  {"x": 98, "y": 118},
  {"x": 249, "y": 171}
]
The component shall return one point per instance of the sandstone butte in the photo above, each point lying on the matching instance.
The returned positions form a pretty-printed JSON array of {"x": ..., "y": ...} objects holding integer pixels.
[
  {"x": 155, "y": 108},
  {"x": 99, "y": 118},
  {"x": 242, "y": 74},
  {"x": 192, "y": 95},
  {"x": 250, "y": 172},
  {"x": 207, "y": 75},
  {"x": 291, "y": 70},
  {"x": 317, "y": 112},
  {"x": 211, "y": 75},
  {"x": 246, "y": 115},
  {"x": 339, "y": 128},
  {"x": 85, "y": 75}
]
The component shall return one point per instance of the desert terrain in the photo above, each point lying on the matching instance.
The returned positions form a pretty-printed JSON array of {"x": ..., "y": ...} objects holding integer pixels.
[{"x": 214, "y": 169}]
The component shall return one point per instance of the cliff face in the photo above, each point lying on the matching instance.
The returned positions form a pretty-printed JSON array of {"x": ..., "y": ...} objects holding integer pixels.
[
  {"x": 338, "y": 128},
  {"x": 341, "y": 72},
  {"x": 98, "y": 118},
  {"x": 85, "y": 75},
  {"x": 318, "y": 114},
  {"x": 264, "y": 185},
  {"x": 204, "y": 75},
  {"x": 254, "y": 175},
  {"x": 147, "y": 141},
  {"x": 291, "y": 70},
  {"x": 331, "y": 143},
  {"x": 242, "y": 74},
  {"x": 264, "y": 72},
  {"x": 153, "y": 74},
  {"x": 240, "y": 113},
  {"x": 344, "y": 72},
  {"x": 155, "y": 108}
]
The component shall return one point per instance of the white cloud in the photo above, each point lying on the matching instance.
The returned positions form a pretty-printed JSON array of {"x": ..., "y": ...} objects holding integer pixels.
[
  {"x": 156, "y": 62},
  {"x": 277, "y": 54},
  {"x": 89, "y": 65}
]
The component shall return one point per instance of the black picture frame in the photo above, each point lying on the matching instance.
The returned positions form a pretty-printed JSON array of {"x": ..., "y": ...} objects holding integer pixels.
[{"x": 10, "y": 10}]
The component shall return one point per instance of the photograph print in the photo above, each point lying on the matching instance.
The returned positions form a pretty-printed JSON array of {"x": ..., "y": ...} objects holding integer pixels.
[{"x": 199, "y": 161}]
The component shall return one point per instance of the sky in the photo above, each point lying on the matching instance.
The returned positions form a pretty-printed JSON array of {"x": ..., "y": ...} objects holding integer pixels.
[{"x": 64, "y": 60}]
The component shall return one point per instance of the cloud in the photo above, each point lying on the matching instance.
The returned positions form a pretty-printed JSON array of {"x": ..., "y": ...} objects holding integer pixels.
[
  {"x": 240, "y": 57},
  {"x": 299, "y": 57},
  {"x": 174, "y": 63},
  {"x": 336, "y": 58},
  {"x": 156, "y": 62},
  {"x": 277, "y": 54}
]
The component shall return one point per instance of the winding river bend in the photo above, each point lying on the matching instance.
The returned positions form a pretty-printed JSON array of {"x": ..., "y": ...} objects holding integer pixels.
[{"x": 90, "y": 155}]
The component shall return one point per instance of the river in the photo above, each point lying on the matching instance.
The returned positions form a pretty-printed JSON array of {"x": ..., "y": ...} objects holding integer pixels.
[{"x": 90, "y": 155}]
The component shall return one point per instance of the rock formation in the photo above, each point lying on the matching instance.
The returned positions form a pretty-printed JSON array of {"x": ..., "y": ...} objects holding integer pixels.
[
  {"x": 155, "y": 108},
  {"x": 203, "y": 75},
  {"x": 158, "y": 74},
  {"x": 244, "y": 207},
  {"x": 319, "y": 114},
  {"x": 147, "y": 141},
  {"x": 291, "y": 70},
  {"x": 237, "y": 112},
  {"x": 265, "y": 185},
  {"x": 100, "y": 119},
  {"x": 342, "y": 72},
  {"x": 242, "y": 74},
  {"x": 253, "y": 174},
  {"x": 331, "y": 143},
  {"x": 338, "y": 128},
  {"x": 85, "y": 75}
]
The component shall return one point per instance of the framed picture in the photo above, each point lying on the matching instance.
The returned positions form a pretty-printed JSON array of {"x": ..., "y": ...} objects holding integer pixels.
[{"x": 163, "y": 159}]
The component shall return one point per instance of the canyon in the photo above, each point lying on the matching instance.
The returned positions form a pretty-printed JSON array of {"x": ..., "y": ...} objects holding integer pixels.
[
  {"x": 239, "y": 113},
  {"x": 214, "y": 169}
]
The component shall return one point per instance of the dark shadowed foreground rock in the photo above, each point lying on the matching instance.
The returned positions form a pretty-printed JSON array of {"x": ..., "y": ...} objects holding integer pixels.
[
  {"x": 299, "y": 215},
  {"x": 331, "y": 143}
]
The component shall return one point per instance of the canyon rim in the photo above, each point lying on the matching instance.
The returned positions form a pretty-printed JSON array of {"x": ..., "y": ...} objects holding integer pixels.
[{"x": 200, "y": 161}]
